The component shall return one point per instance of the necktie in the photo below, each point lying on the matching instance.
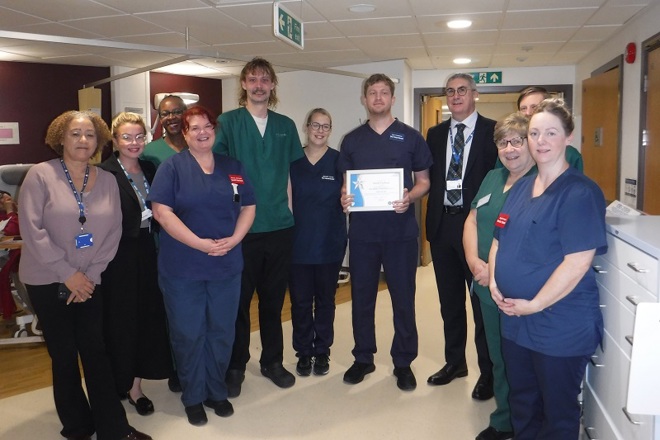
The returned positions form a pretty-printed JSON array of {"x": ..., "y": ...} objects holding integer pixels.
[{"x": 456, "y": 165}]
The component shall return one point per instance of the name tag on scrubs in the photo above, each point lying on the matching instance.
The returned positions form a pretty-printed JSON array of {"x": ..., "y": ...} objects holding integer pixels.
[
  {"x": 454, "y": 184},
  {"x": 482, "y": 201},
  {"x": 147, "y": 214},
  {"x": 501, "y": 220}
]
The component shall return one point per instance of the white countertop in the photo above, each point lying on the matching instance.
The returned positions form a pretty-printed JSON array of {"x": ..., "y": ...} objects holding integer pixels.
[{"x": 641, "y": 231}]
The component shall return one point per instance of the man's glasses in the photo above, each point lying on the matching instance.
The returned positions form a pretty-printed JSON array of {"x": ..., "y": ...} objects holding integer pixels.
[
  {"x": 515, "y": 142},
  {"x": 462, "y": 91},
  {"x": 166, "y": 113},
  {"x": 128, "y": 139},
  {"x": 320, "y": 127}
]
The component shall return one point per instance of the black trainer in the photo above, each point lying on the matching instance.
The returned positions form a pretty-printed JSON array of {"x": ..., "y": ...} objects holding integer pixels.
[
  {"x": 304, "y": 366},
  {"x": 356, "y": 373},
  {"x": 321, "y": 365}
]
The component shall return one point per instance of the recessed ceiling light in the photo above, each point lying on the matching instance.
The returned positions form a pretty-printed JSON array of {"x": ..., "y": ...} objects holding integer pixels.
[
  {"x": 459, "y": 24},
  {"x": 362, "y": 8},
  {"x": 462, "y": 60}
]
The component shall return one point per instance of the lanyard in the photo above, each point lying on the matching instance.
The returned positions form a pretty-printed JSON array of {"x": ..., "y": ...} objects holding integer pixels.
[
  {"x": 135, "y": 188},
  {"x": 455, "y": 155},
  {"x": 79, "y": 197}
]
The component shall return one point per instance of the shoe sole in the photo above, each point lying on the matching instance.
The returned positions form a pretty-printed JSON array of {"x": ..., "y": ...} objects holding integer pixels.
[
  {"x": 321, "y": 373},
  {"x": 303, "y": 373},
  {"x": 368, "y": 370}
]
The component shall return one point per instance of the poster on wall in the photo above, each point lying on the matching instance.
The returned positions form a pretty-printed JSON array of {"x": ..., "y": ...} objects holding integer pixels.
[{"x": 9, "y": 133}]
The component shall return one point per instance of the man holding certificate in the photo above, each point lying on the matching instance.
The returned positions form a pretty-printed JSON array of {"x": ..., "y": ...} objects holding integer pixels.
[{"x": 380, "y": 159}]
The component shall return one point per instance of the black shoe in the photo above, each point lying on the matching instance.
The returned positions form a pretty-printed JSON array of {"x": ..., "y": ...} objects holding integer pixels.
[
  {"x": 356, "y": 373},
  {"x": 137, "y": 435},
  {"x": 321, "y": 365},
  {"x": 483, "y": 390},
  {"x": 304, "y": 366},
  {"x": 405, "y": 379},
  {"x": 79, "y": 437},
  {"x": 196, "y": 415},
  {"x": 223, "y": 408},
  {"x": 279, "y": 375},
  {"x": 173, "y": 383},
  {"x": 143, "y": 405},
  {"x": 491, "y": 433},
  {"x": 448, "y": 373},
  {"x": 233, "y": 380}
]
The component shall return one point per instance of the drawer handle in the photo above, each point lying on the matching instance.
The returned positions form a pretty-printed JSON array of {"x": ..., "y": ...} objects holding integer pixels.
[
  {"x": 591, "y": 433},
  {"x": 598, "y": 269},
  {"x": 594, "y": 362},
  {"x": 636, "y": 268},
  {"x": 629, "y": 338},
  {"x": 633, "y": 299},
  {"x": 629, "y": 417}
]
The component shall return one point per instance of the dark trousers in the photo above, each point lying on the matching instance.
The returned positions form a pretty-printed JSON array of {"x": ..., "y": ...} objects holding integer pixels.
[
  {"x": 267, "y": 260},
  {"x": 399, "y": 261},
  {"x": 543, "y": 393},
  {"x": 452, "y": 276},
  {"x": 69, "y": 331},
  {"x": 312, "y": 288},
  {"x": 201, "y": 317}
]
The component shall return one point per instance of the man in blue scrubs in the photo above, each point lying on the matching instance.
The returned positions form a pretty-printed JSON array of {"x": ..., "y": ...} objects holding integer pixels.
[{"x": 384, "y": 238}]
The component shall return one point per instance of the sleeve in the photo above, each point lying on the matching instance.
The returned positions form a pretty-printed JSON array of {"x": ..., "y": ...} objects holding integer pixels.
[
  {"x": 296, "y": 151},
  {"x": 162, "y": 188},
  {"x": 248, "y": 197},
  {"x": 110, "y": 243},
  {"x": 221, "y": 144},
  {"x": 344, "y": 162},
  {"x": 32, "y": 200},
  {"x": 11, "y": 228},
  {"x": 582, "y": 220},
  {"x": 484, "y": 188}
]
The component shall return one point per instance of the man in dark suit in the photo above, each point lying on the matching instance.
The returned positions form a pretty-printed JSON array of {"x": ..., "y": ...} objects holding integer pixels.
[{"x": 463, "y": 152}]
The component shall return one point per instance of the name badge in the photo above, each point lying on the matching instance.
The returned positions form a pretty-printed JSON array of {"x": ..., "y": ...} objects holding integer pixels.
[
  {"x": 454, "y": 184},
  {"x": 236, "y": 179},
  {"x": 147, "y": 214},
  {"x": 482, "y": 201},
  {"x": 501, "y": 220},
  {"x": 84, "y": 241}
]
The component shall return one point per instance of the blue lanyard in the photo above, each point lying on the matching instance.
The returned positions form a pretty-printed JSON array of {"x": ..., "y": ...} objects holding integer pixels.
[
  {"x": 135, "y": 188},
  {"x": 455, "y": 155},
  {"x": 79, "y": 197}
]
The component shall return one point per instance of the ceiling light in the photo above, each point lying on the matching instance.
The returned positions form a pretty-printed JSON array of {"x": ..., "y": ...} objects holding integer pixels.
[
  {"x": 362, "y": 8},
  {"x": 459, "y": 24},
  {"x": 462, "y": 60}
]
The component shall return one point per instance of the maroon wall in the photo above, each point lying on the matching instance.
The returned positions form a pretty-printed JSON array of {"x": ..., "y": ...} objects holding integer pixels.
[
  {"x": 33, "y": 94},
  {"x": 209, "y": 91}
]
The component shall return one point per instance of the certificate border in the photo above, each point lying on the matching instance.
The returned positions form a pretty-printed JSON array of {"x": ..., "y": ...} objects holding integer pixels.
[{"x": 349, "y": 191}]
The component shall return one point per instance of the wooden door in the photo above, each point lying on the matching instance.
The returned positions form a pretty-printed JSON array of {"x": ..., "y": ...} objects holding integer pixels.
[
  {"x": 651, "y": 150},
  {"x": 600, "y": 131}
]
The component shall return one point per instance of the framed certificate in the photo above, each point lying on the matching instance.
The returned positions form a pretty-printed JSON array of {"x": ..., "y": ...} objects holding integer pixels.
[{"x": 374, "y": 190}]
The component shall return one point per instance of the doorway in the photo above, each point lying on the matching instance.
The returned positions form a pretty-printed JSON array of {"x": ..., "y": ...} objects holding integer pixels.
[{"x": 649, "y": 153}]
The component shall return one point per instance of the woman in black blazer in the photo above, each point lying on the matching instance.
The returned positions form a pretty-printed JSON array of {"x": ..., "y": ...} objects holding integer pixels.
[{"x": 134, "y": 314}]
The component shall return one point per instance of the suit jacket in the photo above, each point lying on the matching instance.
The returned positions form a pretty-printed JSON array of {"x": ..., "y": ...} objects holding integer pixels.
[
  {"x": 483, "y": 154},
  {"x": 130, "y": 204}
]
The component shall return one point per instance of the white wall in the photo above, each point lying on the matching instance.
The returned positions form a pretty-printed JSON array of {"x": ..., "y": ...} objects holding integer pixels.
[
  {"x": 131, "y": 92},
  {"x": 637, "y": 30}
]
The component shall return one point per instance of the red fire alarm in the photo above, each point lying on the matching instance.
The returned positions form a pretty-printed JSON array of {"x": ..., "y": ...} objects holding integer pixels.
[{"x": 631, "y": 53}]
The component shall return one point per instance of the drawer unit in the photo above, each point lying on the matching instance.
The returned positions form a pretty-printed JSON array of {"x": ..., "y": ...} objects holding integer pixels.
[{"x": 638, "y": 265}]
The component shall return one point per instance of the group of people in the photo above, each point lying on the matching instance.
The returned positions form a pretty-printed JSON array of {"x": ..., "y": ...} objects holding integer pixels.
[{"x": 146, "y": 265}]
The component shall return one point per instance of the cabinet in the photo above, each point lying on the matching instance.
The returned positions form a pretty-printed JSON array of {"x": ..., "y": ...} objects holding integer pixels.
[{"x": 627, "y": 275}]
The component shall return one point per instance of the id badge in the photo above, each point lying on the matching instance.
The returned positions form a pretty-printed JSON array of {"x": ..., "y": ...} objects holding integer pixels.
[
  {"x": 147, "y": 214},
  {"x": 84, "y": 240},
  {"x": 454, "y": 184}
]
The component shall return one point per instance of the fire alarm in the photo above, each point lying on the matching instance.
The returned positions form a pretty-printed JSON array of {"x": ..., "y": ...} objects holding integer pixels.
[{"x": 631, "y": 53}]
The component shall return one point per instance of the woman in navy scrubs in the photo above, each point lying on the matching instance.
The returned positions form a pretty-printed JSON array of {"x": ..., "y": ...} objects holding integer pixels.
[
  {"x": 318, "y": 248},
  {"x": 546, "y": 236}
]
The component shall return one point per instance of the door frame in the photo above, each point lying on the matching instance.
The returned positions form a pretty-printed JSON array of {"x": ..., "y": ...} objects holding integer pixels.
[{"x": 647, "y": 46}]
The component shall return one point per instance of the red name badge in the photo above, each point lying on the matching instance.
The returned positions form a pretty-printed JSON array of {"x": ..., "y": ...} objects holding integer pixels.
[
  {"x": 236, "y": 178},
  {"x": 501, "y": 220}
]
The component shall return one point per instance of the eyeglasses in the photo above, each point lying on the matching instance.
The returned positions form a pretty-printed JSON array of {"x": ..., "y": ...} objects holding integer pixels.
[
  {"x": 196, "y": 129},
  {"x": 319, "y": 127},
  {"x": 165, "y": 113},
  {"x": 515, "y": 142},
  {"x": 462, "y": 91},
  {"x": 128, "y": 139}
]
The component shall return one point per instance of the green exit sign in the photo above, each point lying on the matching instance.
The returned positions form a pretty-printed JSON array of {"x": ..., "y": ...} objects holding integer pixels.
[
  {"x": 487, "y": 77},
  {"x": 287, "y": 27}
]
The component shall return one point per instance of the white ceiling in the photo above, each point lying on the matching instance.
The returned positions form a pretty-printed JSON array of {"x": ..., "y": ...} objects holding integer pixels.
[{"x": 221, "y": 34}]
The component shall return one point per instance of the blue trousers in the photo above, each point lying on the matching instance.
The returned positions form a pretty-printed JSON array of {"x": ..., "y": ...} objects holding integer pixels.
[
  {"x": 543, "y": 393},
  {"x": 399, "y": 261},
  {"x": 312, "y": 288},
  {"x": 201, "y": 315}
]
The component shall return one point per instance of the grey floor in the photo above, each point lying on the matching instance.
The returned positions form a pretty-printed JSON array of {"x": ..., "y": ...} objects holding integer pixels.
[{"x": 316, "y": 407}]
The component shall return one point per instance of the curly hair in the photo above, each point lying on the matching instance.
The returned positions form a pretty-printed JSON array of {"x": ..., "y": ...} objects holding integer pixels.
[
  {"x": 259, "y": 65},
  {"x": 57, "y": 130}
]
